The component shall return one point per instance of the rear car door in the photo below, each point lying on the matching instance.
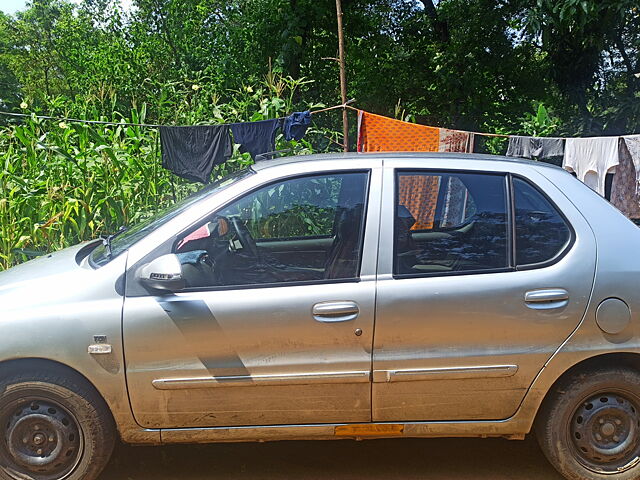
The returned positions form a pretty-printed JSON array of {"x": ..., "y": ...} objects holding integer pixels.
[
  {"x": 482, "y": 276},
  {"x": 261, "y": 337}
]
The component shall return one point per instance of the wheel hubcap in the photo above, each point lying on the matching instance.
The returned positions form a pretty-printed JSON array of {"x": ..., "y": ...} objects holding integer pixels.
[
  {"x": 41, "y": 438},
  {"x": 605, "y": 432}
]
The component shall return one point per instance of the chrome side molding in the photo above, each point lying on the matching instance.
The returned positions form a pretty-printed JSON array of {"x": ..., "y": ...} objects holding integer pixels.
[
  {"x": 249, "y": 380},
  {"x": 446, "y": 373}
]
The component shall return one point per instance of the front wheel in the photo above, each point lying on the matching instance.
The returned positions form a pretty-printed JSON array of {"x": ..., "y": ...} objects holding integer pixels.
[
  {"x": 589, "y": 426},
  {"x": 55, "y": 426}
]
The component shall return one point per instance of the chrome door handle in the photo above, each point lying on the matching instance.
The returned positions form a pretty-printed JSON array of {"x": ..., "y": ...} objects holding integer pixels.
[
  {"x": 547, "y": 298},
  {"x": 329, "y": 312}
]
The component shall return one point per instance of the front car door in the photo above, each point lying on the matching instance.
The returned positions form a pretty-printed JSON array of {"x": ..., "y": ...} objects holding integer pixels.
[
  {"x": 481, "y": 279},
  {"x": 276, "y": 323}
]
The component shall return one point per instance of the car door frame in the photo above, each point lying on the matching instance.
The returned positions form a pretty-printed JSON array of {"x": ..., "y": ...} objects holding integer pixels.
[
  {"x": 582, "y": 234},
  {"x": 162, "y": 240}
]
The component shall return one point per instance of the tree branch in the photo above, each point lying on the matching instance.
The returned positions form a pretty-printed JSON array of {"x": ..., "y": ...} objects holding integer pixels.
[
  {"x": 430, "y": 8},
  {"x": 441, "y": 27},
  {"x": 631, "y": 79}
]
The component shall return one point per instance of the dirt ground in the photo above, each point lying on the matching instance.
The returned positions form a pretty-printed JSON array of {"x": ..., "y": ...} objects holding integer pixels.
[{"x": 408, "y": 459}]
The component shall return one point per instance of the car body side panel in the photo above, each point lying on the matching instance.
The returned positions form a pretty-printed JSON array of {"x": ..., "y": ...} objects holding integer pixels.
[
  {"x": 618, "y": 276},
  {"x": 68, "y": 306}
]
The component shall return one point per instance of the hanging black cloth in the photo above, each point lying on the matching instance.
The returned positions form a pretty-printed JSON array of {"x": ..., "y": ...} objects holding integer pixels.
[
  {"x": 256, "y": 137},
  {"x": 192, "y": 152},
  {"x": 295, "y": 125}
]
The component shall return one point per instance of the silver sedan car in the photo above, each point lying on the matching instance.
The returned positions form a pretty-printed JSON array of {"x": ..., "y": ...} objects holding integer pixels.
[{"x": 334, "y": 297}]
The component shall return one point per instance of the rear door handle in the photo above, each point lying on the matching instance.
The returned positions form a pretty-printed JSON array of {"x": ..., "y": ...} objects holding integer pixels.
[
  {"x": 547, "y": 298},
  {"x": 330, "y": 312}
]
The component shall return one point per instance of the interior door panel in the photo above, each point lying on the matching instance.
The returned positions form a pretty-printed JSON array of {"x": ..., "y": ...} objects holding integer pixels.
[{"x": 300, "y": 252}]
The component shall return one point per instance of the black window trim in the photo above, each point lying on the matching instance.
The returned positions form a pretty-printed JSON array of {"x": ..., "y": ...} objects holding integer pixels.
[
  {"x": 324, "y": 173},
  {"x": 511, "y": 230}
]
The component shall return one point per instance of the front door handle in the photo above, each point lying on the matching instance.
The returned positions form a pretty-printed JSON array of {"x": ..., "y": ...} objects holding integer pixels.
[
  {"x": 330, "y": 312},
  {"x": 547, "y": 298}
]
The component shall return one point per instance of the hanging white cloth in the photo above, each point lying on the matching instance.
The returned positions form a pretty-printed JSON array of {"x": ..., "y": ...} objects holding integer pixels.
[{"x": 591, "y": 159}]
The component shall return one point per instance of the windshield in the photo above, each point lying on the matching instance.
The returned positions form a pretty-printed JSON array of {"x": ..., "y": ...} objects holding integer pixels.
[{"x": 100, "y": 256}]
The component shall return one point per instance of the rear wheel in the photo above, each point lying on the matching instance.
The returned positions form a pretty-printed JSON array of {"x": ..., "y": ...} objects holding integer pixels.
[
  {"x": 589, "y": 426},
  {"x": 54, "y": 426}
]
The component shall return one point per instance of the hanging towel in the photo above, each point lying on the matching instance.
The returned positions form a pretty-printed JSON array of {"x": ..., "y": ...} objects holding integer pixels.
[
  {"x": 519, "y": 147},
  {"x": 455, "y": 141},
  {"x": 381, "y": 134},
  {"x": 192, "y": 152},
  {"x": 296, "y": 125},
  {"x": 625, "y": 190},
  {"x": 256, "y": 137},
  {"x": 541, "y": 148},
  {"x": 591, "y": 159}
]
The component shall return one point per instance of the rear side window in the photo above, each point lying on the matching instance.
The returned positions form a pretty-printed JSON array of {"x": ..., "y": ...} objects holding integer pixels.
[
  {"x": 450, "y": 222},
  {"x": 541, "y": 232}
]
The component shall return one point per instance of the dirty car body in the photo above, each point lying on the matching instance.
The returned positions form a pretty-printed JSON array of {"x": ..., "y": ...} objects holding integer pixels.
[{"x": 338, "y": 296}]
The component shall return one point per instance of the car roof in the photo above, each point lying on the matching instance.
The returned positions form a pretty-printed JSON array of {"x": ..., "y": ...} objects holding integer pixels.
[{"x": 359, "y": 157}]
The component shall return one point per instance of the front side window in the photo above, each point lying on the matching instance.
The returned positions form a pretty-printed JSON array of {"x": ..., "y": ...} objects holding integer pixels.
[
  {"x": 450, "y": 222},
  {"x": 296, "y": 230},
  {"x": 541, "y": 232},
  {"x": 101, "y": 256}
]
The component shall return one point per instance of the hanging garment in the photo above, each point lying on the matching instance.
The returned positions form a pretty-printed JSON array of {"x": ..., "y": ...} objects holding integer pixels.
[
  {"x": 625, "y": 191},
  {"x": 419, "y": 194},
  {"x": 382, "y": 134},
  {"x": 192, "y": 152},
  {"x": 535, "y": 147},
  {"x": 591, "y": 159},
  {"x": 519, "y": 147},
  {"x": 455, "y": 141},
  {"x": 256, "y": 137},
  {"x": 296, "y": 125}
]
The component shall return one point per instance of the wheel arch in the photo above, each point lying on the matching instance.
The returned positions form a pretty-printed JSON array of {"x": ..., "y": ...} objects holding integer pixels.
[
  {"x": 17, "y": 365},
  {"x": 615, "y": 359}
]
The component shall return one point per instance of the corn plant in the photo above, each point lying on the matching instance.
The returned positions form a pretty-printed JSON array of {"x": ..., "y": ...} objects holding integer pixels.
[{"x": 64, "y": 183}]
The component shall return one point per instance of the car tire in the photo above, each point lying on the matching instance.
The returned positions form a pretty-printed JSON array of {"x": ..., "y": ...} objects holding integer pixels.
[
  {"x": 55, "y": 426},
  {"x": 589, "y": 425}
]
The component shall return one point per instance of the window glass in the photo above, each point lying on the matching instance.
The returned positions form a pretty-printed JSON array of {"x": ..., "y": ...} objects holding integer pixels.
[
  {"x": 450, "y": 222},
  {"x": 100, "y": 256},
  {"x": 541, "y": 232},
  {"x": 301, "y": 207},
  {"x": 301, "y": 229}
]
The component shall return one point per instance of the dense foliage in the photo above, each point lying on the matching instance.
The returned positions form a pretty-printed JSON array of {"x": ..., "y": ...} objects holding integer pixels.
[
  {"x": 62, "y": 183},
  {"x": 508, "y": 66}
]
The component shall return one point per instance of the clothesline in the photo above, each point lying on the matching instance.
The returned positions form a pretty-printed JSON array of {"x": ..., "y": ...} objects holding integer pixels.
[
  {"x": 78, "y": 120},
  {"x": 147, "y": 125},
  {"x": 485, "y": 134},
  {"x": 347, "y": 105}
]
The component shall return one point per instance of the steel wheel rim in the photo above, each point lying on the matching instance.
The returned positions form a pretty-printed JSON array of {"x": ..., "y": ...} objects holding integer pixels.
[
  {"x": 41, "y": 438},
  {"x": 604, "y": 432}
]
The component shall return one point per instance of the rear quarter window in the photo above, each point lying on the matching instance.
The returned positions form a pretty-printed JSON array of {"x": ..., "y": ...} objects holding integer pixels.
[{"x": 542, "y": 233}]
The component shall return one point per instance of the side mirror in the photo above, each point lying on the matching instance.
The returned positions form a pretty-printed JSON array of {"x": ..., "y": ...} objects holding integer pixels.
[{"x": 163, "y": 273}]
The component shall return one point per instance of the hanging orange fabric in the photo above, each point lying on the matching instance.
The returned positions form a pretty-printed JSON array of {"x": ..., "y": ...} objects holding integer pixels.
[
  {"x": 382, "y": 134},
  {"x": 419, "y": 193}
]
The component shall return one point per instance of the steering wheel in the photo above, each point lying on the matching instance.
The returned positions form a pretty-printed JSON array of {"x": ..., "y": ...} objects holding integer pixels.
[{"x": 247, "y": 241}]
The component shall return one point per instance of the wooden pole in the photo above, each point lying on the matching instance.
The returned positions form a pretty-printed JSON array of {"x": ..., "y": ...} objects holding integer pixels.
[{"x": 343, "y": 76}]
